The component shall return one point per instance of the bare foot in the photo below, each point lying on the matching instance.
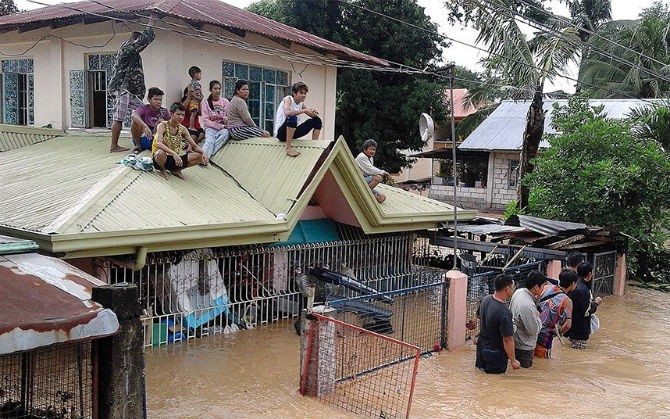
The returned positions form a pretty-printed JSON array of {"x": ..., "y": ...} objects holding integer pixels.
[
  {"x": 179, "y": 174},
  {"x": 292, "y": 152},
  {"x": 163, "y": 174},
  {"x": 118, "y": 149}
]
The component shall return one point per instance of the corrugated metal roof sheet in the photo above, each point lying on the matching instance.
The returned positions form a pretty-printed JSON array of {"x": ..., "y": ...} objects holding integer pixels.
[
  {"x": 543, "y": 225},
  {"x": 48, "y": 180},
  {"x": 73, "y": 197},
  {"x": 401, "y": 203},
  {"x": 214, "y": 12},
  {"x": 16, "y": 136},
  {"x": 47, "y": 301},
  {"x": 503, "y": 129},
  {"x": 256, "y": 164}
]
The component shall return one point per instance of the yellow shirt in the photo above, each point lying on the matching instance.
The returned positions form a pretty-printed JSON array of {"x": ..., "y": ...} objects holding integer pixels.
[{"x": 173, "y": 142}]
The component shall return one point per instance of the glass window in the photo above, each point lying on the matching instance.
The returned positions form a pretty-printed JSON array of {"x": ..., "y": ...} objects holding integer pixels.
[
  {"x": 18, "y": 96},
  {"x": 267, "y": 88}
]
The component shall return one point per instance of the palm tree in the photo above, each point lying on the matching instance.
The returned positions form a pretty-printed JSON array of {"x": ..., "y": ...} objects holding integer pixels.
[
  {"x": 521, "y": 62},
  {"x": 643, "y": 44}
]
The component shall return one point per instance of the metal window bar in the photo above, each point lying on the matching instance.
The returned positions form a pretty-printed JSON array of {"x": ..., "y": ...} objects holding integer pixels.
[
  {"x": 604, "y": 267},
  {"x": 53, "y": 382}
]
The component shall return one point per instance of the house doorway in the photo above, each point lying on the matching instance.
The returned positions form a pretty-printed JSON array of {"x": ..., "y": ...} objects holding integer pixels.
[{"x": 97, "y": 81}]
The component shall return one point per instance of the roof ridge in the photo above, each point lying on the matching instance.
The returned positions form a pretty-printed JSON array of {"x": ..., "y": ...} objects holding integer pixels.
[{"x": 88, "y": 200}]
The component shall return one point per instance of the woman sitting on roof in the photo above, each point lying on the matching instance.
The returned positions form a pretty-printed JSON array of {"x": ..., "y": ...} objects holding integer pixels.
[
  {"x": 240, "y": 124},
  {"x": 214, "y": 116},
  {"x": 168, "y": 144}
]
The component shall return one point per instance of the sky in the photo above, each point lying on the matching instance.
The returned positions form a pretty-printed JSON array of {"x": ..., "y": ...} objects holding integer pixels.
[{"x": 459, "y": 54}]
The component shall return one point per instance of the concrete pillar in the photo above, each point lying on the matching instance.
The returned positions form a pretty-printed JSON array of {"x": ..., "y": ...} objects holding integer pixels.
[
  {"x": 121, "y": 385},
  {"x": 318, "y": 362},
  {"x": 456, "y": 308},
  {"x": 619, "y": 275},
  {"x": 553, "y": 269}
]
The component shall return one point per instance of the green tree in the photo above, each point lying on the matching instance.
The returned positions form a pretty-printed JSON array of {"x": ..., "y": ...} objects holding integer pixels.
[
  {"x": 652, "y": 122},
  {"x": 370, "y": 104},
  {"x": 645, "y": 46},
  {"x": 597, "y": 172},
  {"x": 519, "y": 61},
  {"x": 7, "y": 7}
]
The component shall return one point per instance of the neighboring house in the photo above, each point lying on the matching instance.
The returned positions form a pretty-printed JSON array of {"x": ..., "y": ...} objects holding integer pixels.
[
  {"x": 56, "y": 60},
  {"x": 490, "y": 155},
  {"x": 421, "y": 171},
  {"x": 227, "y": 240}
]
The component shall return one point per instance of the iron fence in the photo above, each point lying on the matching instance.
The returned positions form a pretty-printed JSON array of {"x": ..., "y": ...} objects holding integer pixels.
[
  {"x": 53, "y": 382},
  {"x": 604, "y": 267},
  {"x": 195, "y": 293},
  {"x": 481, "y": 285},
  {"x": 358, "y": 370},
  {"x": 416, "y": 315}
]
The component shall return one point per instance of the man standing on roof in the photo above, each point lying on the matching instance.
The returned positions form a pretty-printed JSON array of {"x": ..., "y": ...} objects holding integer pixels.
[
  {"x": 372, "y": 175},
  {"x": 127, "y": 81}
]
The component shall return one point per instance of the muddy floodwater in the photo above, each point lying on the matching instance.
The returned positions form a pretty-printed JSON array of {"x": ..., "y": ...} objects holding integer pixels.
[{"x": 625, "y": 373}]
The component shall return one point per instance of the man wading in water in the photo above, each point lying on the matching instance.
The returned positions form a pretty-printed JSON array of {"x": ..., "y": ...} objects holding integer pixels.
[{"x": 496, "y": 343}]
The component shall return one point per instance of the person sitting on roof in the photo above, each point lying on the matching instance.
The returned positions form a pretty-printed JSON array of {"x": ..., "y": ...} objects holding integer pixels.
[
  {"x": 214, "y": 116},
  {"x": 286, "y": 119},
  {"x": 372, "y": 175},
  {"x": 240, "y": 124},
  {"x": 168, "y": 144},
  {"x": 145, "y": 119}
]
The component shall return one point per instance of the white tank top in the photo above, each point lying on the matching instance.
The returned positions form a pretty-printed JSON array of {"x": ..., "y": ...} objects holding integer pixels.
[{"x": 280, "y": 117}]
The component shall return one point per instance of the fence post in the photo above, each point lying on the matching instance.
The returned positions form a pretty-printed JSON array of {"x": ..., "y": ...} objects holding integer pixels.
[
  {"x": 553, "y": 269},
  {"x": 318, "y": 361},
  {"x": 121, "y": 386},
  {"x": 456, "y": 308},
  {"x": 619, "y": 275}
]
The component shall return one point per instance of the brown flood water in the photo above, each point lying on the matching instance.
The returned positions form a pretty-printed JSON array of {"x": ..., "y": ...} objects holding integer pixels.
[{"x": 625, "y": 373}]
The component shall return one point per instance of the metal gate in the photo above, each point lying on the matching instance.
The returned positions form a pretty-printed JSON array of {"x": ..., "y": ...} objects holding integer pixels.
[{"x": 604, "y": 266}]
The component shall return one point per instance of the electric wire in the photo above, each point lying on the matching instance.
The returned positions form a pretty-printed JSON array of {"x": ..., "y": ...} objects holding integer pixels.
[{"x": 531, "y": 66}]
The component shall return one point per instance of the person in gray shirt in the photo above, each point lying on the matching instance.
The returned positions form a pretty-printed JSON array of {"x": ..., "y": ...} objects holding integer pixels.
[{"x": 526, "y": 318}]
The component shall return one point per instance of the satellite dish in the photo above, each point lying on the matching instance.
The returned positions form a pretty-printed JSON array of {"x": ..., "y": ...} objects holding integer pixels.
[{"x": 426, "y": 127}]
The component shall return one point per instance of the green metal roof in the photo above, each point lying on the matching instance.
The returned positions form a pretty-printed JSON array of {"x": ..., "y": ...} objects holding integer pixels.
[
  {"x": 69, "y": 195},
  {"x": 16, "y": 136}
]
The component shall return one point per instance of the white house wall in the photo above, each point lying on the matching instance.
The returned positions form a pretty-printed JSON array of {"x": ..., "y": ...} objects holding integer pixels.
[{"x": 166, "y": 62}]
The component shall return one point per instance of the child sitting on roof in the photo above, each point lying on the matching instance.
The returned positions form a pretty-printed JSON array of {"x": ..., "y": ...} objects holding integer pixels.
[{"x": 372, "y": 175}]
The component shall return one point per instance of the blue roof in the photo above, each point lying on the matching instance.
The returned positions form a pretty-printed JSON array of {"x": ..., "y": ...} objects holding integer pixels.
[{"x": 503, "y": 129}]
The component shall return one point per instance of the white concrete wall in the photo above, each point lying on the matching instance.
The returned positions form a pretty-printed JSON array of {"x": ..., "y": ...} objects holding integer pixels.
[
  {"x": 471, "y": 198},
  {"x": 502, "y": 193},
  {"x": 166, "y": 62}
]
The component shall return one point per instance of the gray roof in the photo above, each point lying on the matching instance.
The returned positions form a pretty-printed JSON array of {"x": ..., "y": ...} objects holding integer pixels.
[{"x": 503, "y": 129}]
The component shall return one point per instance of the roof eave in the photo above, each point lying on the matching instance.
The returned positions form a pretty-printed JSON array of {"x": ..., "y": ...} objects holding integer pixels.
[{"x": 125, "y": 242}]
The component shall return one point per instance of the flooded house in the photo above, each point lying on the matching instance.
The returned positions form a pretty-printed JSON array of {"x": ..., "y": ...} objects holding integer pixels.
[
  {"x": 488, "y": 169},
  {"x": 222, "y": 247},
  {"x": 57, "y": 60}
]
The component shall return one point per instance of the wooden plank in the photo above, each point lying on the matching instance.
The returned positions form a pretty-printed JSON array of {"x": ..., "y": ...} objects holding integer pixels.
[{"x": 559, "y": 244}]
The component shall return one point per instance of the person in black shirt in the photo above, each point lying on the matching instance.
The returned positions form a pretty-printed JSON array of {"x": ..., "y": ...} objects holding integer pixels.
[
  {"x": 495, "y": 345},
  {"x": 584, "y": 306}
]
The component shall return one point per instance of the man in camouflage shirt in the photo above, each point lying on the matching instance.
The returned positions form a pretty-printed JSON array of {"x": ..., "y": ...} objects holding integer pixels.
[{"x": 127, "y": 81}]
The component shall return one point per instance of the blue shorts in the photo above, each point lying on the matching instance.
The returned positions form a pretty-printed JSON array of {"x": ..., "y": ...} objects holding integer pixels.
[
  {"x": 145, "y": 143},
  {"x": 368, "y": 179}
]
